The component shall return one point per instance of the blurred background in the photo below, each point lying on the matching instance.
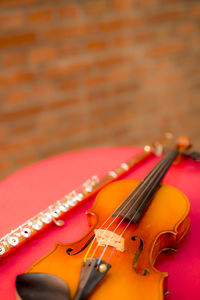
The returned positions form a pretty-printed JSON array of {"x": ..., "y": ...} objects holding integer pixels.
[{"x": 92, "y": 73}]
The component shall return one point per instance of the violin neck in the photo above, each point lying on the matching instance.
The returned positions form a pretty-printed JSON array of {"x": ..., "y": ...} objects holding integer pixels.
[{"x": 137, "y": 202}]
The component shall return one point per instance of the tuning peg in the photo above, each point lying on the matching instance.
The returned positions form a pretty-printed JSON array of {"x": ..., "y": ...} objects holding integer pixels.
[{"x": 194, "y": 154}]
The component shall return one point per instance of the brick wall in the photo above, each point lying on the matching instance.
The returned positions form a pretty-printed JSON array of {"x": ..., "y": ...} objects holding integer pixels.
[{"x": 86, "y": 73}]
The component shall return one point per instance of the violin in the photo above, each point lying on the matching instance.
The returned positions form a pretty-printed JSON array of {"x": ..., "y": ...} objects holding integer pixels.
[{"x": 130, "y": 224}]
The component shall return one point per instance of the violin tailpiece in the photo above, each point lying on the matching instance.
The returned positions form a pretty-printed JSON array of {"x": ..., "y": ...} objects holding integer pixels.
[{"x": 91, "y": 274}]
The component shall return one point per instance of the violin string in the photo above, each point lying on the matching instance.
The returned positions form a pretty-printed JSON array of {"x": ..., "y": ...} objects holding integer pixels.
[
  {"x": 111, "y": 254},
  {"x": 106, "y": 246},
  {"x": 155, "y": 170},
  {"x": 149, "y": 177},
  {"x": 161, "y": 174},
  {"x": 130, "y": 221},
  {"x": 139, "y": 208},
  {"x": 119, "y": 237}
]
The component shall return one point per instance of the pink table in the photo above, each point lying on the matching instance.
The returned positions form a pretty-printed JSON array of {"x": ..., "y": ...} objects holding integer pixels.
[{"x": 34, "y": 188}]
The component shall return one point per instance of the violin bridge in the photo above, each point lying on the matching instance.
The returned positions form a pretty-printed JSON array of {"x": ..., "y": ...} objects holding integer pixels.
[{"x": 106, "y": 237}]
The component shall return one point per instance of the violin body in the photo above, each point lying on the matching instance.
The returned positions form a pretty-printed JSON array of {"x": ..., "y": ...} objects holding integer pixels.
[{"x": 132, "y": 274}]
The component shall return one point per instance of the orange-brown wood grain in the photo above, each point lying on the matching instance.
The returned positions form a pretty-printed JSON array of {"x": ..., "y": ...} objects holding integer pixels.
[{"x": 163, "y": 224}]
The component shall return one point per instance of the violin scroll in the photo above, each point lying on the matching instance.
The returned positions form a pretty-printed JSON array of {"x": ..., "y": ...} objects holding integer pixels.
[{"x": 183, "y": 143}]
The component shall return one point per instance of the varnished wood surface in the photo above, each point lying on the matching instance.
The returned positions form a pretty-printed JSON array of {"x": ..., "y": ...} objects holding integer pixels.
[{"x": 168, "y": 209}]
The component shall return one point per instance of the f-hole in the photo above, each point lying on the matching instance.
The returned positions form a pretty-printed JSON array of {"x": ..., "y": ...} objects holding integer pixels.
[
  {"x": 70, "y": 250},
  {"x": 144, "y": 272}
]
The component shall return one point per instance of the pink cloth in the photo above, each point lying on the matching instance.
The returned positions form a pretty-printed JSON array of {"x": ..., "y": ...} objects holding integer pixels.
[{"x": 27, "y": 192}]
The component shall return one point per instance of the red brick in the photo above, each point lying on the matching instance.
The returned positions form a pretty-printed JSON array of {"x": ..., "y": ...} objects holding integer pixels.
[
  {"x": 166, "y": 16},
  {"x": 100, "y": 110},
  {"x": 65, "y": 32},
  {"x": 167, "y": 49},
  {"x": 187, "y": 28},
  {"x": 147, "y": 6},
  {"x": 3, "y": 132},
  {"x": 14, "y": 146},
  {"x": 70, "y": 84},
  {"x": 40, "y": 16},
  {"x": 195, "y": 43},
  {"x": 69, "y": 50},
  {"x": 52, "y": 150},
  {"x": 119, "y": 75},
  {"x": 171, "y": 1},
  {"x": 63, "y": 103},
  {"x": 68, "y": 69},
  {"x": 22, "y": 113},
  {"x": 38, "y": 140},
  {"x": 112, "y": 25},
  {"x": 78, "y": 145},
  {"x": 72, "y": 130},
  {"x": 112, "y": 60},
  {"x": 159, "y": 80},
  {"x": 26, "y": 159},
  {"x": 137, "y": 22},
  {"x": 22, "y": 144},
  {"x": 96, "y": 46},
  {"x": 100, "y": 139},
  {"x": 44, "y": 90},
  {"x": 97, "y": 7},
  {"x": 145, "y": 37},
  {"x": 120, "y": 133},
  {"x": 20, "y": 39},
  {"x": 47, "y": 121},
  {"x": 69, "y": 11},
  {"x": 19, "y": 77},
  {"x": 118, "y": 24},
  {"x": 95, "y": 95},
  {"x": 141, "y": 70},
  {"x": 5, "y": 164},
  {"x": 131, "y": 87},
  {"x": 94, "y": 81},
  {"x": 41, "y": 55},
  {"x": 12, "y": 59},
  {"x": 18, "y": 96},
  {"x": 22, "y": 128},
  {"x": 13, "y": 20},
  {"x": 16, "y": 3},
  {"x": 121, "y": 41},
  {"x": 195, "y": 11},
  {"x": 121, "y": 6}
]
